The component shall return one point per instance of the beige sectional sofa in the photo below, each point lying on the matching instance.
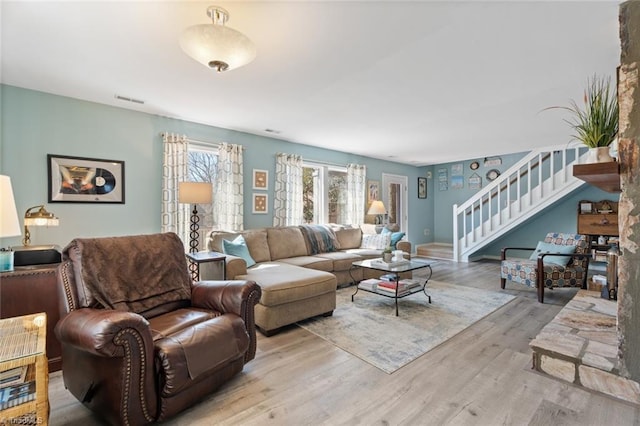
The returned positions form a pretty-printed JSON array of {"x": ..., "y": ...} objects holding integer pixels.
[{"x": 297, "y": 281}]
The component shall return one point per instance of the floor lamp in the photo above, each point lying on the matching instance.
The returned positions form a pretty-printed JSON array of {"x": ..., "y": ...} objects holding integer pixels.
[{"x": 194, "y": 193}]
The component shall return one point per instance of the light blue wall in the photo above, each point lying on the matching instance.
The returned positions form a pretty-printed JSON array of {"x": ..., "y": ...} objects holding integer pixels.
[
  {"x": 35, "y": 124},
  {"x": 444, "y": 200}
]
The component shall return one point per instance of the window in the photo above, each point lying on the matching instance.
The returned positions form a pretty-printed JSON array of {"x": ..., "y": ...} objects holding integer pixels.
[
  {"x": 201, "y": 167},
  {"x": 324, "y": 193}
]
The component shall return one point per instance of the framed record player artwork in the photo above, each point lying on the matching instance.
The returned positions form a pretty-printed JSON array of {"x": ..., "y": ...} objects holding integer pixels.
[{"x": 85, "y": 180}]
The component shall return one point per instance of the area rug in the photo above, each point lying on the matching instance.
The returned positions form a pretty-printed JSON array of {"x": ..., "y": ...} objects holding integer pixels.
[{"x": 369, "y": 329}]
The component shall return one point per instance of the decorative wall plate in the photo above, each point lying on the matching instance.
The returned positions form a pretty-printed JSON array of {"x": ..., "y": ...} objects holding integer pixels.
[
  {"x": 474, "y": 165},
  {"x": 493, "y": 174}
]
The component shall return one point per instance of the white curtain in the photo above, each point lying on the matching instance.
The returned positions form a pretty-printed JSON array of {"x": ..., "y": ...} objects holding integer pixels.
[
  {"x": 228, "y": 201},
  {"x": 287, "y": 197},
  {"x": 356, "y": 193},
  {"x": 174, "y": 215}
]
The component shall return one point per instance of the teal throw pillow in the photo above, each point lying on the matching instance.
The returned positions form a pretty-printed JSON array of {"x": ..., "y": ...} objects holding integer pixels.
[
  {"x": 238, "y": 247},
  {"x": 553, "y": 248},
  {"x": 395, "y": 237}
]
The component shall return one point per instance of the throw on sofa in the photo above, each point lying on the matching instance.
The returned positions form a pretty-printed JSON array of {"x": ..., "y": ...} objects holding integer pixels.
[
  {"x": 140, "y": 341},
  {"x": 298, "y": 267}
]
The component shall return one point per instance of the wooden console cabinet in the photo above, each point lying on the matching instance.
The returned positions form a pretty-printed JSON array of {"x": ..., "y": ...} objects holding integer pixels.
[
  {"x": 600, "y": 221},
  {"x": 30, "y": 290}
]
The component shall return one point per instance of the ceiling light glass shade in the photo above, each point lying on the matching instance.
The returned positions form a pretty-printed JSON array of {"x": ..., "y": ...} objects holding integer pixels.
[{"x": 216, "y": 46}]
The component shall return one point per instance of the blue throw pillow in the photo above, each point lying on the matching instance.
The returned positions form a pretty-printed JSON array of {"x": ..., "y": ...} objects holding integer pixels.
[
  {"x": 553, "y": 248},
  {"x": 238, "y": 247},
  {"x": 395, "y": 237}
]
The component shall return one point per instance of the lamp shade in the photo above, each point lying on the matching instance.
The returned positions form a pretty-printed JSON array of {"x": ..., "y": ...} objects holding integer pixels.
[
  {"x": 9, "y": 223},
  {"x": 195, "y": 192},
  {"x": 216, "y": 46},
  {"x": 377, "y": 207}
]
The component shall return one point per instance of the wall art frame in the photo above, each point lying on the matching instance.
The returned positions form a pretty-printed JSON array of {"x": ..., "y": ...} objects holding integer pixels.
[
  {"x": 373, "y": 191},
  {"x": 260, "y": 204},
  {"x": 85, "y": 180},
  {"x": 260, "y": 179},
  {"x": 422, "y": 187}
]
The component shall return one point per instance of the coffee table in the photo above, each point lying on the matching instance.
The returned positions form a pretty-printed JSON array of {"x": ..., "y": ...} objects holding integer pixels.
[{"x": 396, "y": 270}]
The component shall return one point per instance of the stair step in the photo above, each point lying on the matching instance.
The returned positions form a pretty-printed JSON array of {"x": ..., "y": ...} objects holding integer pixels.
[{"x": 435, "y": 250}]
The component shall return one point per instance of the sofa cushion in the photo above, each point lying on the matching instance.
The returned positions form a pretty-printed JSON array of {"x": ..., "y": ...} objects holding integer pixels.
[
  {"x": 365, "y": 253},
  {"x": 314, "y": 262},
  {"x": 256, "y": 240},
  {"x": 283, "y": 283},
  {"x": 375, "y": 241},
  {"x": 319, "y": 239},
  {"x": 349, "y": 238},
  {"x": 285, "y": 242},
  {"x": 341, "y": 260},
  {"x": 258, "y": 246},
  {"x": 238, "y": 247}
]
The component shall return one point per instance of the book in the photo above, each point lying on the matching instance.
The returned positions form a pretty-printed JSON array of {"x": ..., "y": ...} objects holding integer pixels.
[
  {"x": 13, "y": 376},
  {"x": 370, "y": 284},
  {"x": 401, "y": 291},
  {"x": 11, "y": 396}
]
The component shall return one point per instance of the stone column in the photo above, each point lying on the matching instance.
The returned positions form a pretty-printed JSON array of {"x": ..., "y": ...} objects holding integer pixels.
[{"x": 629, "y": 207}]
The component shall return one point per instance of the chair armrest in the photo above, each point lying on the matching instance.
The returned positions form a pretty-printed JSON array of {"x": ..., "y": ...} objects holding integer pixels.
[
  {"x": 99, "y": 331},
  {"x": 405, "y": 246},
  {"x": 582, "y": 256},
  {"x": 238, "y": 297},
  {"x": 503, "y": 252},
  {"x": 235, "y": 266}
]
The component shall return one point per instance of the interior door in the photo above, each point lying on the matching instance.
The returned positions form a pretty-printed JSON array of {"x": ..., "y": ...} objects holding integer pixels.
[{"x": 394, "y": 197}]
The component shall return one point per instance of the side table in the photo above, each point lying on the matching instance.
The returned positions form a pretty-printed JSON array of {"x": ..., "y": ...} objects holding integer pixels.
[
  {"x": 23, "y": 346},
  {"x": 29, "y": 290},
  {"x": 205, "y": 257}
]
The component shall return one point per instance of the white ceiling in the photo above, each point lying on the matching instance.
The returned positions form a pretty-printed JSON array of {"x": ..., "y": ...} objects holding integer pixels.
[{"x": 418, "y": 82}]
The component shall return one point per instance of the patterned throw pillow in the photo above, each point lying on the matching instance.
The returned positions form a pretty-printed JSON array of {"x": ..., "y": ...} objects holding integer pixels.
[{"x": 375, "y": 241}]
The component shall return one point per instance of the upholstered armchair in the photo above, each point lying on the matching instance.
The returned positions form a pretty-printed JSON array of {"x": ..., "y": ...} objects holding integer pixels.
[
  {"x": 562, "y": 260},
  {"x": 140, "y": 340}
]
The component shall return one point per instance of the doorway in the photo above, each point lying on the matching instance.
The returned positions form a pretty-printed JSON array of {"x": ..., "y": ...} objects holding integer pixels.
[{"x": 394, "y": 197}]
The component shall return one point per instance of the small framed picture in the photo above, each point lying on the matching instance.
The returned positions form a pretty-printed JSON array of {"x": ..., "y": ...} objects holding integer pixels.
[
  {"x": 260, "y": 179},
  {"x": 373, "y": 191},
  {"x": 260, "y": 204},
  {"x": 422, "y": 187},
  {"x": 586, "y": 207}
]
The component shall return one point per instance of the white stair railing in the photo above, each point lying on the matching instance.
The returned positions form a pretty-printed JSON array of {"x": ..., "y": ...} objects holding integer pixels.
[{"x": 539, "y": 179}]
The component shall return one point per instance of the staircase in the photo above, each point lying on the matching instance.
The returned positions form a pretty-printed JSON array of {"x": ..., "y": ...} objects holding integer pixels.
[{"x": 537, "y": 181}]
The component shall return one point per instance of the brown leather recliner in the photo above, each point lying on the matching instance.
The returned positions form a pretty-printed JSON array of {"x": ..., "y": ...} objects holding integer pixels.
[{"x": 140, "y": 341}]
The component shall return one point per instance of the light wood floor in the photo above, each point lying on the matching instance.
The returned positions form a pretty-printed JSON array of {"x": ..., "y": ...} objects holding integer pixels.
[{"x": 482, "y": 376}]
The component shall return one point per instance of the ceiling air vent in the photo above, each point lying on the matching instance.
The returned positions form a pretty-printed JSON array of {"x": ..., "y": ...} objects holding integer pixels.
[{"x": 135, "y": 101}]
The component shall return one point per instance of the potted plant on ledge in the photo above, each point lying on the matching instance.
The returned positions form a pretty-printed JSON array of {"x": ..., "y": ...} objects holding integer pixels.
[{"x": 596, "y": 123}]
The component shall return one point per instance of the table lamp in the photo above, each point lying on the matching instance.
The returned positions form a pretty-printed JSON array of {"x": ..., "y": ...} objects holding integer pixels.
[
  {"x": 377, "y": 208},
  {"x": 41, "y": 217},
  {"x": 9, "y": 223}
]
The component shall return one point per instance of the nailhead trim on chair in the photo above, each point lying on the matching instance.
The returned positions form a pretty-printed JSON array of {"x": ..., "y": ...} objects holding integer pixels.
[
  {"x": 67, "y": 287},
  {"x": 248, "y": 315},
  {"x": 119, "y": 340}
]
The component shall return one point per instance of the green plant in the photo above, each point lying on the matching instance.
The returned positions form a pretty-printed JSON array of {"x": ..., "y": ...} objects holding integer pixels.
[
  {"x": 387, "y": 250},
  {"x": 596, "y": 123}
]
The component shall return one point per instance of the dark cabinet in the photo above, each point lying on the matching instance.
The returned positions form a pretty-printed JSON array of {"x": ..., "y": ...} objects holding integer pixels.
[{"x": 30, "y": 290}]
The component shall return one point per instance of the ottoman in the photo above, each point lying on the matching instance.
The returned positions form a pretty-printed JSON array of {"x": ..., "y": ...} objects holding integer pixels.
[{"x": 289, "y": 294}]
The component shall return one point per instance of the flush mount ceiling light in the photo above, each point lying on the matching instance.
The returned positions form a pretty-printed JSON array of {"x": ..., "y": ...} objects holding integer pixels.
[{"x": 216, "y": 46}]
